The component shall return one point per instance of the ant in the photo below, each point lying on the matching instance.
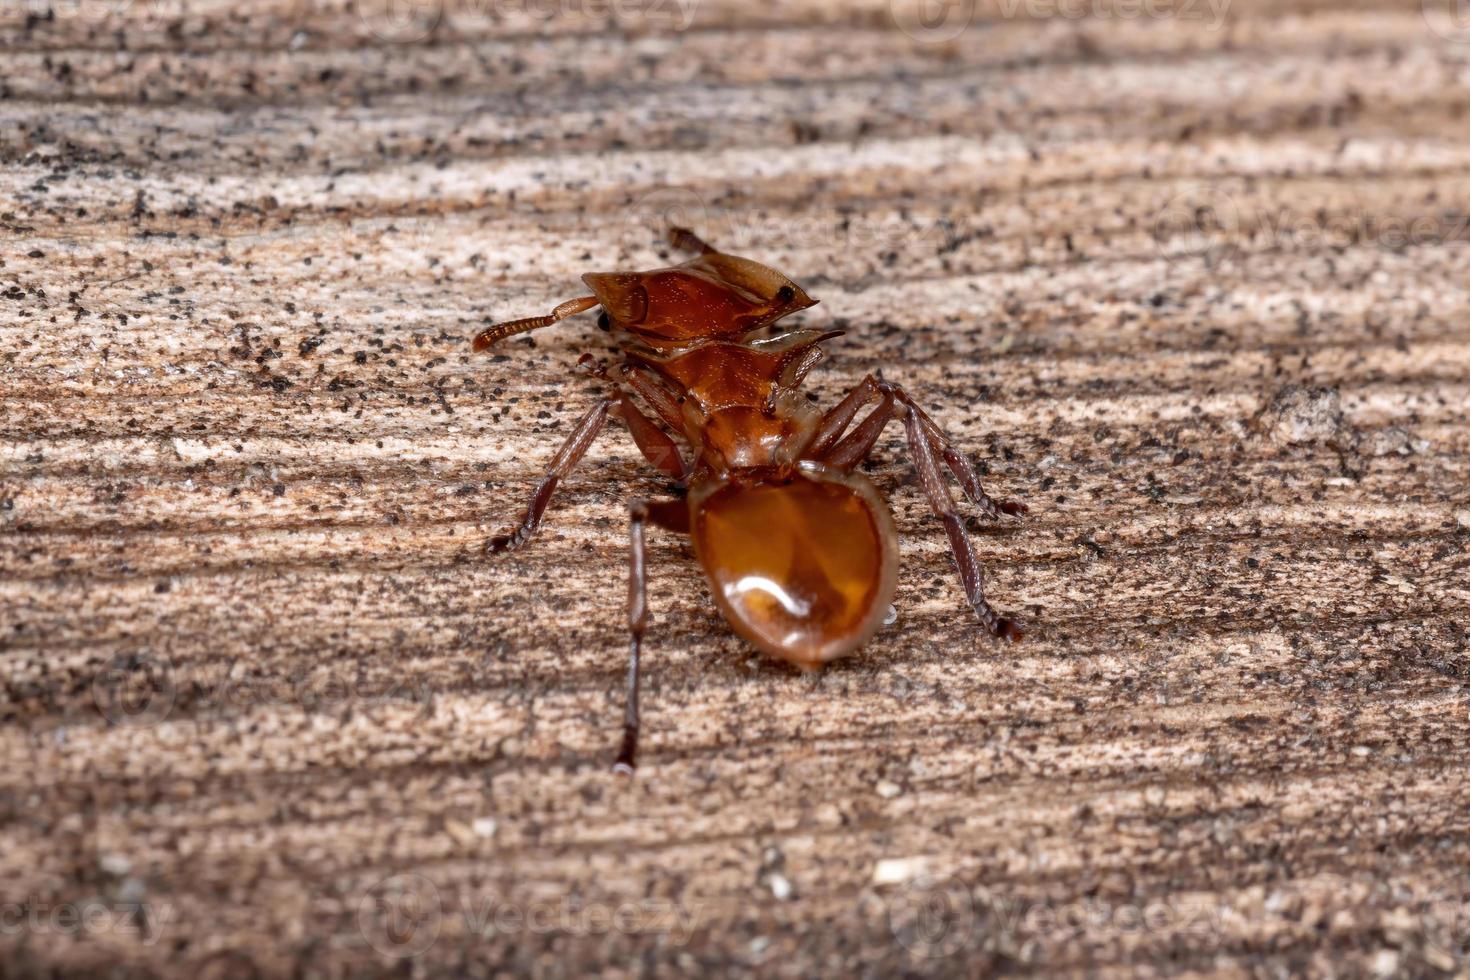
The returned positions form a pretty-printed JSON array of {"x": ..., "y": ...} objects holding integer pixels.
[{"x": 799, "y": 548}]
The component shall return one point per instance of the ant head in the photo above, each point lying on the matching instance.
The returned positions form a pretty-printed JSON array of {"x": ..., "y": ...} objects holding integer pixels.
[{"x": 712, "y": 296}]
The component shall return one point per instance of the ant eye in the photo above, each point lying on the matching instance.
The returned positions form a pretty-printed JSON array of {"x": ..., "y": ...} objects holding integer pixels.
[
  {"x": 603, "y": 323},
  {"x": 785, "y": 294}
]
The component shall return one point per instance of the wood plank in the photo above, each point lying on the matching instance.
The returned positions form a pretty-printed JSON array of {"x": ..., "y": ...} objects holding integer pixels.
[{"x": 1193, "y": 286}]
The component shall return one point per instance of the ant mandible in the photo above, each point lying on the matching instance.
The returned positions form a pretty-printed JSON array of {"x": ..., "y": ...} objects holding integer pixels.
[{"x": 799, "y": 548}]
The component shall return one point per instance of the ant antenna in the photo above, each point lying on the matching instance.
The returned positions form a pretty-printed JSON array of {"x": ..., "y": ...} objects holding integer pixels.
[{"x": 499, "y": 331}]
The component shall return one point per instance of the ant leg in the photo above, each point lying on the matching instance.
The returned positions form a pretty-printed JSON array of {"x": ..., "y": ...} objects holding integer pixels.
[
  {"x": 637, "y": 624},
  {"x": 859, "y": 443},
  {"x": 856, "y": 446},
  {"x": 959, "y": 541},
  {"x": 665, "y": 403},
  {"x": 566, "y": 458},
  {"x": 672, "y": 515},
  {"x": 961, "y": 466},
  {"x": 688, "y": 241},
  {"x": 655, "y": 444},
  {"x": 840, "y": 416},
  {"x": 499, "y": 331}
]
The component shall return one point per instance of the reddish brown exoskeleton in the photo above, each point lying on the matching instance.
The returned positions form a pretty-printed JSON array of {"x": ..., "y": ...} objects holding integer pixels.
[{"x": 799, "y": 549}]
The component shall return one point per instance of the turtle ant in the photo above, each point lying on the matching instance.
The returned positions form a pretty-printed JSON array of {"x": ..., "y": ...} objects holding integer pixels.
[{"x": 799, "y": 548}]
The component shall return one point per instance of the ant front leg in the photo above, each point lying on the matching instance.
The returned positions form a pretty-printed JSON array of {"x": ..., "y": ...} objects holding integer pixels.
[
  {"x": 835, "y": 422},
  {"x": 565, "y": 460},
  {"x": 655, "y": 445},
  {"x": 672, "y": 515}
]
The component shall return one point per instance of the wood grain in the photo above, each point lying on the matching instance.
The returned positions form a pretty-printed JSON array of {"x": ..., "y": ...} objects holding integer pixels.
[{"x": 1196, "y": 290}]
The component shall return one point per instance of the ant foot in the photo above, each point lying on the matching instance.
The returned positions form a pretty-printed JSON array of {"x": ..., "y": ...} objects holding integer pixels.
[
  {"x": 1006, "y": 629},
  {"x": 625, "y": 766},
  {"x": 502, "y": 543}
]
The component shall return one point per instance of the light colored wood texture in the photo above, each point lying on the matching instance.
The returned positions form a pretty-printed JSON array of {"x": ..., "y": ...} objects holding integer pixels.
[{"x": 1196, "y": 291}]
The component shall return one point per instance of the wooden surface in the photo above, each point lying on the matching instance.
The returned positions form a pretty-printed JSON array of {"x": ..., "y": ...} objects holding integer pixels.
[{"x": 1197, "y": 291}]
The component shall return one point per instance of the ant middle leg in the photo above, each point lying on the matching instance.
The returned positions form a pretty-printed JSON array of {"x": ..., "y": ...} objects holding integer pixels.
[
  {"x": 940, "y": 501},
  {"x": 856, "y": 446}
]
